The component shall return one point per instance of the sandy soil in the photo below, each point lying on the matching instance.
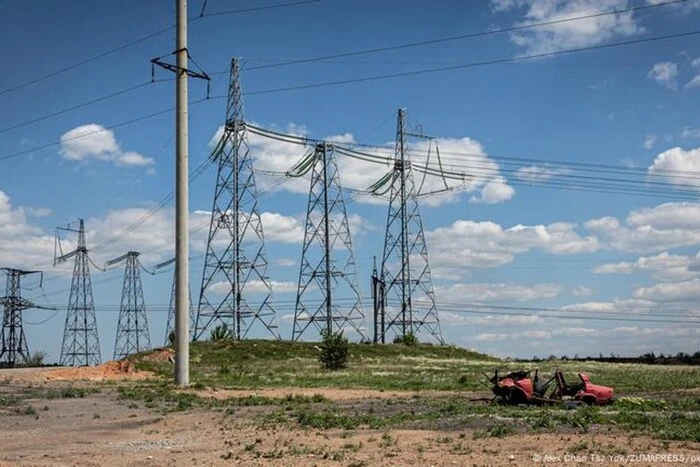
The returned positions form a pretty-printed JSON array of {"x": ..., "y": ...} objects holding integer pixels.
[
  {"x": 101, "y": 430},
  {"x": 109, "y": 371}
]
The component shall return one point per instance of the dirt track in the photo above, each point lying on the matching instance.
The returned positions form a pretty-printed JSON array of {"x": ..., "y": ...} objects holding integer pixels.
[{"x": 100, "y": 429}]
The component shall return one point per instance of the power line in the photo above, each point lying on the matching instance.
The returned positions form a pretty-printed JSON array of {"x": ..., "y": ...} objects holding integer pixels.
[
  {"x": 262, "y": 8},
  {"x": 595, "y": 318},
  {"x": 659, "y": 312},
  {"x": 78, "y": 106},
  {"x": 140, "y": 40},
  {"x": 472, "y": 64},
  {"x": 111, "y": 127},
  {"x": 489, "y": 172},
  {"x": 464, "y": 36}
]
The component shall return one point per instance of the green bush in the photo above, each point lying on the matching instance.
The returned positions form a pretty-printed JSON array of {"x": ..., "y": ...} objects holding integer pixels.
[
  {"x": 36, "y": 359},
  {"x": 334, "y": 350},
  {"x": 407, "y": 339},
  {"x": 220, "y": 333}
]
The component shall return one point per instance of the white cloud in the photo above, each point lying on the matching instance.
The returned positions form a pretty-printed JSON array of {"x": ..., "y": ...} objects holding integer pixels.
[
  {"x": 494, "y": 191},
  {"x": 536, "y": 173},
  {"x": 582, "y": 291},
  {"x": 659, "y": 228},
  {"x": 133, "y": 158},
  {"x": 283, "y": 229},
  {"x": 624, "y": 306},
  {"x": 23, "y": 244},
  {"x": 470, "y": 244},
  {"x": 255, "y": 286},
  {"x": 664, "y": 267},
  {"x": 671, "y": 291},
  {"x": 650, "y": 140},
  {"x": 682, "y": 215},
  {"x": 693, "y": 83},
  {"x": 665, "y": 73},
  {"x": 688, "y": 132},
  {"x": 483, "y": 292},
  {"x": 94, "y": 141},
  {"x": 481, "y": 174},
  {"x": 570, "y": 34},
  {"x": 672, "y": 163}
]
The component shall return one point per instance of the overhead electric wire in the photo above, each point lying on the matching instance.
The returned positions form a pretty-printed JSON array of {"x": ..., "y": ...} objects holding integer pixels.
[
  {"x": 143, "y": 39},
  {"x": 78, "y": 106},
  {"x": 466, "y": 309},
  {"x": 658, "y": 312},
  {"x": 83, "y": 135},
  {"x": 488, "y": 32},
  {"x": 377, "y": 157},
  {"x": 260, "y": 8},
  {"x": 575, "y": 182},
  {"x": 470, "y": 64}
]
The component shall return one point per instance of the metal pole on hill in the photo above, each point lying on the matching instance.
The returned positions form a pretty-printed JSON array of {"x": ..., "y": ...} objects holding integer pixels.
[{"x": 182, "y": 341}]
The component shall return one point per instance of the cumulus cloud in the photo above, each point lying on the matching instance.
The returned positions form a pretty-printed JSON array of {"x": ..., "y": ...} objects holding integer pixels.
[
  {"x": 688, "y": 132},
  {"x": 494, "y": 191},
  {"x": 673, "y": 164},
  {"x": 536, "y": 173},
  {"x": 650, "y": 140},
  {"x": 671, "y": 291},
  {"x": 23, "y": 244},
  {"x": 582, "y": 291},
  {"x": 281, "y": 228},
  {"x": 481, "y": 174},
  {"x": 664, "y": 267},
  {"x": 470, "y": 244},
  {"x": 94, "y": 141},
  {"x": 660, "y": 228},
  {"x": 255, "y": 286},
  {"x": 693, "y": 83},
  {"x": 483, "y": 292},
  {"x": 623, "y": 306},
  {"x": 665, "y": 73},
  {"x": 570, "y": 34},
  {"x": 681, "y": 215}
]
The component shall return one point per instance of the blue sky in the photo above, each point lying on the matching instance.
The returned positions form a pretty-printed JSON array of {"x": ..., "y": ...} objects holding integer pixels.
[{"x": 509, "y": 239}]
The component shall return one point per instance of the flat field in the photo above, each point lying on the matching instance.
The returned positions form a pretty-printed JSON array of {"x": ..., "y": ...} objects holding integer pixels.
[{"x": 271, "y": 403}]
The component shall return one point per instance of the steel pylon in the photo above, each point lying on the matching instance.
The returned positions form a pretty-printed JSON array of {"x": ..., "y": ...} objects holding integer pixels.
[
  {"x": 328, "y": 297},
  {"x": 81, "y": 343},
  {"x": 133, "y": 335},
  {"x": 405, "y": 271},
  {"x": 13, "y": 341},
  {"x": 170, "y": 324},
  {"x": 235, "y": 290}
]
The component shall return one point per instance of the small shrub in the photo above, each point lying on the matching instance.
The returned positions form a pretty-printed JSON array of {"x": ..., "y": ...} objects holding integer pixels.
[
  {"x": 220, "y": 333},
  {"x": 36, "y": 359},
  {"x": 334, "y": 350},
  {"x": 407, "y": 339}
]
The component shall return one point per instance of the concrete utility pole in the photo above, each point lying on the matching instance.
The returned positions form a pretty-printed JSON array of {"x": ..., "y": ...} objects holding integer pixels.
[{"x": 182, "y": 269}]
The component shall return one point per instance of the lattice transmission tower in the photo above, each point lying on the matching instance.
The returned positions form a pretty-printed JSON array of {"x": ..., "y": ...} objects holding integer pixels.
[
  {"x": 13, "y": 341},
  {"x": 328, "y": 297},
  {"x": 133, "y": 335},
  {"x": 235, "y": 291},
  {"x": 405, "y": 271},
  {"x": 170, "y": 323},
  {"x": 81, "y": 343}
]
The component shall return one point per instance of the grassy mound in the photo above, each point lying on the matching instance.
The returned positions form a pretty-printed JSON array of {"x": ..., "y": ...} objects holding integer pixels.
[{"x": 264, "y": 363}]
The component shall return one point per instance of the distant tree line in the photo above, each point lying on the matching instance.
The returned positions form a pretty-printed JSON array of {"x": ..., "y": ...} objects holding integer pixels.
[{"x": 650, "y": 358}]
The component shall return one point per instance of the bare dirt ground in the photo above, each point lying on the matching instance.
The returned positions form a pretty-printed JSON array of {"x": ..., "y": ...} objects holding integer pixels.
[{"x": 99, "y": 429}]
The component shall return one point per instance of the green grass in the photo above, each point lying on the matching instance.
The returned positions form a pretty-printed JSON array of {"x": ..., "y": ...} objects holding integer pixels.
[
  {"x": 261, "y": 363},
  {"x": 664, "y": 412}
]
